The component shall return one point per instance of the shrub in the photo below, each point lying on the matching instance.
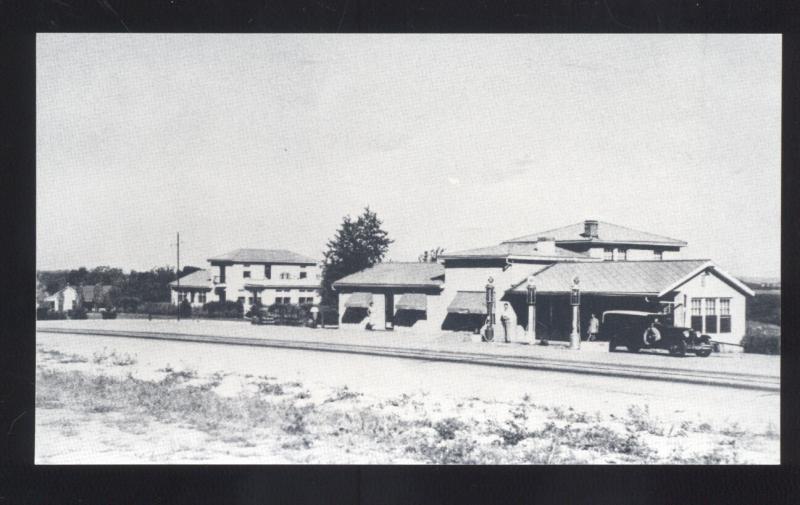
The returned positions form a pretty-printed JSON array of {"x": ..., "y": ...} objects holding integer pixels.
[
  {"x": 764, "y": 307},
  {"x": 227, "y": 309},
  {"x": 77, "y": 313},
  {"x": 158, "y": 308},
  {"x": 128, "y": 303},
  {"x": 45, "y": 313},
  {"x": 764, "y": 343},
  {"x": 328, "y": 315},
  {"x": 186, "y": 309}
]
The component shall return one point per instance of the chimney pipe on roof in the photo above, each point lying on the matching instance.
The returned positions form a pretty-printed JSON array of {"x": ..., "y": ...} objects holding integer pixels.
[{"x": 590, "y": 228}]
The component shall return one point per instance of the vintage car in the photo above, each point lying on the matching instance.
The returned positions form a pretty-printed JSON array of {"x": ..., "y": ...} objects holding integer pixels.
[
  {"x": 277, "y": 315},
  {"x": 647, "y": 330}
]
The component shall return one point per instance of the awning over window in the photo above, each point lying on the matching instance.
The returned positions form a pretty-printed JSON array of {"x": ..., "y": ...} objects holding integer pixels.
[
  {"x": 412, "y": 301},
  {"x": 468, "y": 302},
  {"x": 359, "y": 301}
]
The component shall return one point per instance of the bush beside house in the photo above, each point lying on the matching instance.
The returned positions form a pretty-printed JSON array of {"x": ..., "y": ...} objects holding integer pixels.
[
  {"x": 763, "y": 324},
  {"x": 217, "y": 310}
]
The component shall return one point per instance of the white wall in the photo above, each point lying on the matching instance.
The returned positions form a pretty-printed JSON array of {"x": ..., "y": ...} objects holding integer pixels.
[
  {"x": 711, "y": 286},
  {"x": 235, "y": 282},
  {"x": 70, "y": 299},
  {"x": 475, "y": 279}
]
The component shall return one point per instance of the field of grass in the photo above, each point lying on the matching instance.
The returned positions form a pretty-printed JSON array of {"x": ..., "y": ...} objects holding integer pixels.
[{"x": 270, "y": 420}]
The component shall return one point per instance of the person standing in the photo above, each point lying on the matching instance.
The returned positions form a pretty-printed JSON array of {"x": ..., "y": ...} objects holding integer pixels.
[
  {"x": 508, "y": 320},
  {"x": 369, "y": 324},
  {"x": 594, "y": 328}
]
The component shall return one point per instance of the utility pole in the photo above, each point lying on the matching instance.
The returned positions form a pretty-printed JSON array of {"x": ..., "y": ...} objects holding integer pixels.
[{"x": 178, "y": 273}]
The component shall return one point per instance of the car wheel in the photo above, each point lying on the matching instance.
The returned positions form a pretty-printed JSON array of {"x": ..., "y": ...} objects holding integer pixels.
[
  {"x": 704, "y": 353},
  {"x": 678, "y": 349}
]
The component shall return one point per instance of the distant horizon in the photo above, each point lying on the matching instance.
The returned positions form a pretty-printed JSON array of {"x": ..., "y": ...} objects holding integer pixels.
[{"x": 455, "y": 141}]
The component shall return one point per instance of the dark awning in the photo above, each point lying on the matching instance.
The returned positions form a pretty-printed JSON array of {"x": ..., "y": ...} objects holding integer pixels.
[
  {"x": 468, "y": 302},
  {"x": 359, "y": 301},
  {"x": 412, "y": 301}
]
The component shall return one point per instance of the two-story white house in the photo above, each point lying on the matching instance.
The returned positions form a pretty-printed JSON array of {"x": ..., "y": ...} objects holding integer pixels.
[
  {"x": 248, "y": 276},
  {"x": 617, "y": 268}
]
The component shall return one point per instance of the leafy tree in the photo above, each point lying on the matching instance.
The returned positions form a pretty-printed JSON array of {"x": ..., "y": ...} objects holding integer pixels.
[
  {"x": 53, "y": 280},
  {"x": 189, "y": 270},
  {"x": 150, "y": 286},
  {"x": 358, "y": 244},
  {"x": 41, "y": 294},
  {"x": 431, "y": 256},
  {"x": 77, "y": 277}
]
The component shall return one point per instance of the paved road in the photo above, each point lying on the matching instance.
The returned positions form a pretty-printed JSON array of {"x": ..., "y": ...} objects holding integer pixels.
[
  {"x": 390, "y": 377},
  {"x": 672, "y": 370}
]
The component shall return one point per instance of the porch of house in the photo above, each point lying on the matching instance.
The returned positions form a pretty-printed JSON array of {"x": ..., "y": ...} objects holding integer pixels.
[{"x": 554, "y": 311}]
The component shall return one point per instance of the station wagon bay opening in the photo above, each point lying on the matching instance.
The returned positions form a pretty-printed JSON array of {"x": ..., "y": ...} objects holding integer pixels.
[{"x": 563, "y": 277}]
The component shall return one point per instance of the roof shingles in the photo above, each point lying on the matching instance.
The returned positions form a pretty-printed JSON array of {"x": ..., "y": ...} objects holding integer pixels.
[
  {"x": 198, "y": 279},
  {"x": 281, "y": 256},
  {"x": 619, "y": 277},
  {"x": 396, "y": 274},
  {"x": 606, "y": 233}
]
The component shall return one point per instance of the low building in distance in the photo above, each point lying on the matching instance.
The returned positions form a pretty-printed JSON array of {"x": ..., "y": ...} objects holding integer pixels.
[
  {"x": 615, "y": 268},
  {"x": 249, "y": 276},
  {"x": 90, "y": 298}
]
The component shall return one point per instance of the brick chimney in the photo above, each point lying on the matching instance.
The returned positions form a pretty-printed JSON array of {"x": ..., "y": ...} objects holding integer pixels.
[{"x": 590, "y": 228}]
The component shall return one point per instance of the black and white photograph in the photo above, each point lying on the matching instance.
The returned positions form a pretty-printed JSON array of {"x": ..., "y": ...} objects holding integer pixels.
[{"x": 408, "y": 249}]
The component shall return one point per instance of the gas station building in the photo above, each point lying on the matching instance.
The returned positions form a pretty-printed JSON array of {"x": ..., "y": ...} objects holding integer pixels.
[{"x": 609, "y": 267}]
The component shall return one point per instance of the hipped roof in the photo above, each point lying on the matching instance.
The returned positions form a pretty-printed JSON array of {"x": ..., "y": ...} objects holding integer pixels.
[
  {"x": 419, "y": 275},
  {"x": 606, "y": 233},
  {"x": 279, "y": 256},
  {"x": 198, "y": 279}
]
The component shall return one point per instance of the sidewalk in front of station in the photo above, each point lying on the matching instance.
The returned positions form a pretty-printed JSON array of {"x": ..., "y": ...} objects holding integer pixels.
[{"x": 589, "y": 352}]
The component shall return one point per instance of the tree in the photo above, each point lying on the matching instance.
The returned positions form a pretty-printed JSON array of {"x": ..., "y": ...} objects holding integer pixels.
[
  {"x": 41, "y": 293},
  {"x": 431, "y": 256},
  {"x": 189, "y": 270},
  {"x": 358, "y": 244}
]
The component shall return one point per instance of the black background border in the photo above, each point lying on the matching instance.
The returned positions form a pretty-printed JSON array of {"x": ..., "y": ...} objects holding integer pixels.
[{"x": 21, "y": 482}]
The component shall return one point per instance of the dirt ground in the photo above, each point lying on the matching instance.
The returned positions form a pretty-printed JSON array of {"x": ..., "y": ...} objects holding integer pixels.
[{"x": 106, "y": 400}]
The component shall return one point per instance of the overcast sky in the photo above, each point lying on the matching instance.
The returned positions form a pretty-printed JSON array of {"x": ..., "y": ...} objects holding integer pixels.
[{"x": 457, "y": 141}]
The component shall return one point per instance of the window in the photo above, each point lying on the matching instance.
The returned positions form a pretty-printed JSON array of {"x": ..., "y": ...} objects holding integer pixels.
[
  {"x": 246, "y": 274},
  {"x": 267, "y": 271},
  {"x": 250, "y": 300},
  {"x": 240, "y": 300},
  {"x": 201, "y": 297},
  {"x": 724, "y": 315},
  {"x": 697, "y": 314},
  {"x": 711, "y": 315},
  {"x": 181, "y": 296},
  {"x": 608, "y": 254},
  {"x": 246, "y": 265},
  {"x": 658, "y": 255},
  {"x": 303, "y": 275},
  {"x": 622, "y": 254},
  {"x": 286, "y": 275}
]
